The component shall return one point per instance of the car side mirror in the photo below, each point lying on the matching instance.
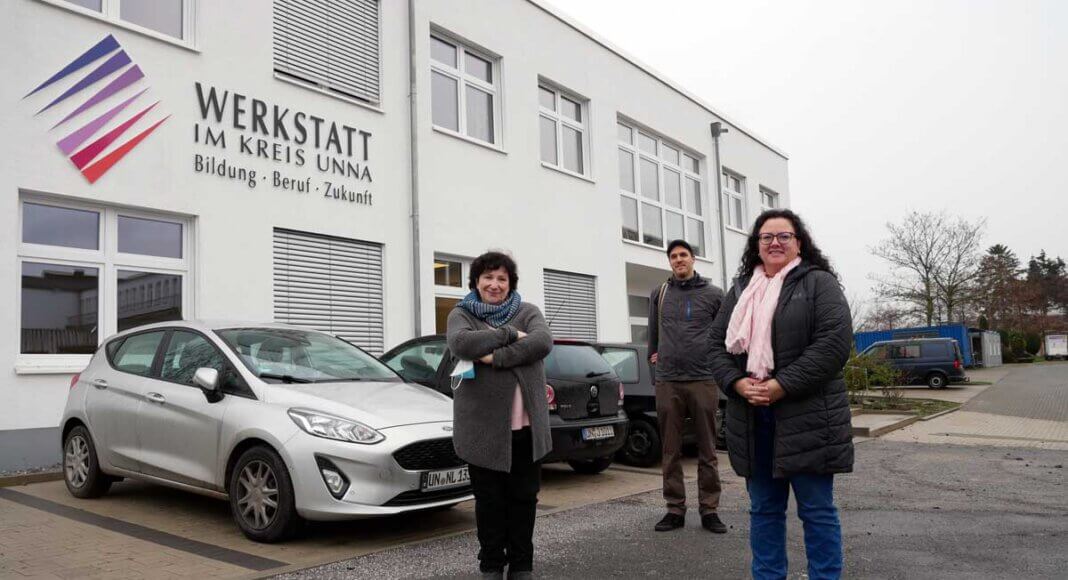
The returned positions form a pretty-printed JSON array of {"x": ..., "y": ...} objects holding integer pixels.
[{"x": 208, "y": 381}]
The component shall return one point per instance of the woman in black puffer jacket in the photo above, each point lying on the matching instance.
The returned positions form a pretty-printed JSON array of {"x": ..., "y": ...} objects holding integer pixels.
[{"x": 779, "y": 344}]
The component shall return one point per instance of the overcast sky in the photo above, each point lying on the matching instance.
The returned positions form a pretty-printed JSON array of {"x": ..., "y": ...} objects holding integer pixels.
[{"x": 883, "y": 106}]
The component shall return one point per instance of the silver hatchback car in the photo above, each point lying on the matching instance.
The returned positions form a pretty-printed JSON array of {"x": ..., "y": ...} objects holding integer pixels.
[{"x": 286, "y": 423}]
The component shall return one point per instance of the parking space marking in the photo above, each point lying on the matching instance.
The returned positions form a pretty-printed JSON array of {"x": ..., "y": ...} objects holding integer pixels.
[{"x": 226, "y": 555}]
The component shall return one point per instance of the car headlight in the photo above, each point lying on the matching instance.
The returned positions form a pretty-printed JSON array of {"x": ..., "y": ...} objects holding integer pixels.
[{"x": 330, "y": 427}]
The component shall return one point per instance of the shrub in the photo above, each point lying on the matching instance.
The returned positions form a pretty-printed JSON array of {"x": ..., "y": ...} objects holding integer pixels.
[{"x": 864, "y": 372}]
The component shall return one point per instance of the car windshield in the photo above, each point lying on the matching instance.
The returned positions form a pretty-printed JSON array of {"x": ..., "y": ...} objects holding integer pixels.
[
  {"x": 283, "y": 355},
  {"x": 575, "y": 362}
]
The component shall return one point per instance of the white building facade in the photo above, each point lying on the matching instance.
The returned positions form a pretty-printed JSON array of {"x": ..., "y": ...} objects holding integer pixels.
[{"x": 257, "y": 160}]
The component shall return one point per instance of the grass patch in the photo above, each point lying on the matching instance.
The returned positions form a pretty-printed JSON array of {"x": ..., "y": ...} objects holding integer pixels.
[{"x": 922, "y": 407}]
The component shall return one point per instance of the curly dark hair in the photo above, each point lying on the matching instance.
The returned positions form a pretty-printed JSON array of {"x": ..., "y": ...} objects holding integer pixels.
[
  {"x": 810, "y": 252},
  {"x": 489, "y": 262}
]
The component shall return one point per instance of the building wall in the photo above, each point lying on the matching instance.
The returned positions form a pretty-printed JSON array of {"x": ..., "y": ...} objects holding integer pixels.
[{"x": 472, "y": 197}]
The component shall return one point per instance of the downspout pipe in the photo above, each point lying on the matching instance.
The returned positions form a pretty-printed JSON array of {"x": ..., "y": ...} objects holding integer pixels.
[
  {"x": 413, "y": 148},
  {"x": 717, "y": 130}
]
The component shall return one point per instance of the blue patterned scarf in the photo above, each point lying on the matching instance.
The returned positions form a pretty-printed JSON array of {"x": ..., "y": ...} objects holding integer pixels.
[{"x": 495, "y": 315}]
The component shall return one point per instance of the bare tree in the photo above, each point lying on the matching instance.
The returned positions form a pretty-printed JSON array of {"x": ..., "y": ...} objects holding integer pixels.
[
  {"x": 958, "y": 269},
  {"x": 934, "y": 260},
  {"x": 913, "y": 249}
]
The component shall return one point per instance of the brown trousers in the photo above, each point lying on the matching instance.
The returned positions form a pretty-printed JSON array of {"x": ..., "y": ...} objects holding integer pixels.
[{"x": 673, "y": 400}]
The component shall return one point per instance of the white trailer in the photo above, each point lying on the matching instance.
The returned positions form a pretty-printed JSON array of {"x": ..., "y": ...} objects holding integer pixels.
[{"x": 1056, "y": 345}]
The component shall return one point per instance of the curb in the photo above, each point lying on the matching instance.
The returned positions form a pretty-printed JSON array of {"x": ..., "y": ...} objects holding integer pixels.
[
  {"x": 28, "y": 478},
  {"x": 941, "y": 413},
  {"x": 866, "y": 432}
]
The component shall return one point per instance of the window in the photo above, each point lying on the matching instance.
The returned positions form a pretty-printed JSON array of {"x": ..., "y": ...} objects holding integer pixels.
[
  {"x": 624, "y": 361},
  {"x": 660, "y": 191},
  {"x": 86, "y": 272},
  {"x": 418, "y": 362},
  {"x": 330, "y": 44},
  {"x": 188, "y": 351},
  {"x": 450, "y": 285},
  {"x": 571, "y": 305},
  {"x": 638, "y": 306},
  {"x": 166, "y": 18},
  {"x": 463, "y": 89},
  {"x": 330, "y": 284},
  {"x": 768, "y": 199},
  {"x": 136, "y": 353},
  {"x": 734, "y": 200},
  {"x": 905, "y": 351},
  {"x": 562, "y": 122}
]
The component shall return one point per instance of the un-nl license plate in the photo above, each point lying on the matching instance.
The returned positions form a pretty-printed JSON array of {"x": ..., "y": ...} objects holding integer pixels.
[
  {"x": 445, "y": 479},
  {"x": 603, "y": 432}
]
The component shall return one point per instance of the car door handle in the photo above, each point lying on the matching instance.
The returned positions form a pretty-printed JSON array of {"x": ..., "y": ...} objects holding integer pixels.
[
  {"x": 156, "y": 398},
  {"x": 100, "y": 384}
]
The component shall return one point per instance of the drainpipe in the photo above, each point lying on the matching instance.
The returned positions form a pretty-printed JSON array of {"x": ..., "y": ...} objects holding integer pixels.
[
  {"x": 413, "y": 147},
  {"x": 717, "y": 130}
]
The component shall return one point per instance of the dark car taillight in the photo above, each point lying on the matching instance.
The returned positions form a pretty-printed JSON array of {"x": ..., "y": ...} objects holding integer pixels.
[
  {"x": 620, "y": 394},
  {"x": 956, "y": 363},
  {"x": 74, "y": 379},
  {"x": 550, "y": 397}
]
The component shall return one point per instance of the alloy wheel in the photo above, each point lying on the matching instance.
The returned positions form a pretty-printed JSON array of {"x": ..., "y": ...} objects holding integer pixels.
[
  {"x": 76, "y": 461},
  {"x": 258, "y": 494}
]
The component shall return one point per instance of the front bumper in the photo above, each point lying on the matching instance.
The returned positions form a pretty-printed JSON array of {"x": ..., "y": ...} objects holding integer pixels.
[
  {"x": 378, "y": 485},
  {"x": 568, "y": 443}
]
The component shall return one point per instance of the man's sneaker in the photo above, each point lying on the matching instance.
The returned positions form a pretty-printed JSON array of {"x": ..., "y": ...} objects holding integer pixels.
[
  {"x": 670, "y": 522},
  {"x": 712, "y": 523}
]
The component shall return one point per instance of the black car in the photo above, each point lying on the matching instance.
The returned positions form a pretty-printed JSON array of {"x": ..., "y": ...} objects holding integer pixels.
[
  {"x": 585, "y": 396},
  {"x": 935, "y": 361},
  {"x": 642, "y": 447}
]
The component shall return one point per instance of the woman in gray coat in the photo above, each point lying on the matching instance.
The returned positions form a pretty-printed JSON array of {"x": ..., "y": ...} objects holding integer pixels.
[
  {"x": 779, "y": 344},
  {"x": 501, "y": 416}
]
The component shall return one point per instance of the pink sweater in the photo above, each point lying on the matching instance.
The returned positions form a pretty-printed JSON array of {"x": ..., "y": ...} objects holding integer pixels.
[{"x": 520, "y": 418}]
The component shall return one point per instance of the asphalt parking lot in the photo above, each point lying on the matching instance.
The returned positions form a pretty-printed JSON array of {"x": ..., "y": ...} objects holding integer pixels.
[{"x": 140, "y": 530}]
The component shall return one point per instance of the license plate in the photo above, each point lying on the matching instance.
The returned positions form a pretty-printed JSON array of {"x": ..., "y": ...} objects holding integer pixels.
[
  {"x": 603, "y": 432},
  {"x": 445, "y": 479}
]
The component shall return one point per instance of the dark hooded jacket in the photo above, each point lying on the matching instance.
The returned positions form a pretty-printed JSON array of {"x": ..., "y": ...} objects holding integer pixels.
[
  {"x": 683, "y": 345},
  {"x": 812, "y": 337}
]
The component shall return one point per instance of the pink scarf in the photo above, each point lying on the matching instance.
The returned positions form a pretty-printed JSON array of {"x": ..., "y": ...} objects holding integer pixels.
[{"x": 749, "y": 329}]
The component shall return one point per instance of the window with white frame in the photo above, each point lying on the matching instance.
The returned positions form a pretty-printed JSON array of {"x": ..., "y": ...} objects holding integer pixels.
[
  {"x": 331, "y": 45},
  {"x": 464, "y": 87},
  {"x": 89, "y": 271},
  {"x": 450, "y": 286},
  {"x": 768, "y": 199},
  {"x": 562, "y": 124},
  {"x": 168, "y": 18},
  {"x": 660, "y": 191},
  {"x": 734, "y": 200}
]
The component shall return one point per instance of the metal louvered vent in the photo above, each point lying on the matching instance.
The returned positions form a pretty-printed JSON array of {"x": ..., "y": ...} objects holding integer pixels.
[
  {"x": 330, "y": 284},
  {"x": 431, "y": 454},
  {"x": 571, "y": 305},
  {"x": 333, "y": 44}
]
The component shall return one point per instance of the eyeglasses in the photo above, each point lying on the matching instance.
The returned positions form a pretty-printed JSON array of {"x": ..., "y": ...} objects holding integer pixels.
[{"x": 783, "y": 237}]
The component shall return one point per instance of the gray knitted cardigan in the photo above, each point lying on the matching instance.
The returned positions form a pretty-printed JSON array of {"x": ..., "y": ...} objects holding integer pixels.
[{"x": 482, "y": 407}]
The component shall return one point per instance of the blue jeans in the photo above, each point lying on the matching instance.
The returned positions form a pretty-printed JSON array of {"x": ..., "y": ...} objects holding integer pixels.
[{"x": 767, "y": 514}]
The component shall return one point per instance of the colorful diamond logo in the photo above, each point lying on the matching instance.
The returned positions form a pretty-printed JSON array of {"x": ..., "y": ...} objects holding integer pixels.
[{"x": 117, "y": 73}]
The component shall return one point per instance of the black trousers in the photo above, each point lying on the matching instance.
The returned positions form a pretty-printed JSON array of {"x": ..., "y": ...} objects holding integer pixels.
[{"x": 505, "y": 505}]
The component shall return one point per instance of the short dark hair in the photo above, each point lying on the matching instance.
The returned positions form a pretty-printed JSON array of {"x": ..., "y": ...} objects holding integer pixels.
[
  {"x": 675, "y": 243},
  {"x": 491, "y": 261}
]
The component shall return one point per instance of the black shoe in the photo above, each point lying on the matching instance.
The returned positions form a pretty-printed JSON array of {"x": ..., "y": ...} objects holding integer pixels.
[
  {"x": 712, "y": 523},
  {"x": 670, "y": 522},
  {"x": 493, "y": 574}
]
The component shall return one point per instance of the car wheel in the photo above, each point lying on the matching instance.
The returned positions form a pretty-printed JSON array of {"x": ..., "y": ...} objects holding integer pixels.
[
  {"x": 590, "y": 466},
  {"x": 642, "y": 446},
  {"x": 936, "y": 381},
  {"x": 261, "y": 496},
  {"x": 81, "y": 468}
]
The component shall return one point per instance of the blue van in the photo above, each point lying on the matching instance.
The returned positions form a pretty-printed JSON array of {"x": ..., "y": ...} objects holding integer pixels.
[{"x": 934, "y": 361}]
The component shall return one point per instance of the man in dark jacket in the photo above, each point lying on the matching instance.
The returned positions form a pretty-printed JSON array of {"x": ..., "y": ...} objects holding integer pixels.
[{"x": 681, "y": 312}]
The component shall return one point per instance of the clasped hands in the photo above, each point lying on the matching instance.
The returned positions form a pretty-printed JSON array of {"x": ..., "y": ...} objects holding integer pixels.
[
  {"x": 759, "y": 393},
  {"x": 488, "y": 359}
]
